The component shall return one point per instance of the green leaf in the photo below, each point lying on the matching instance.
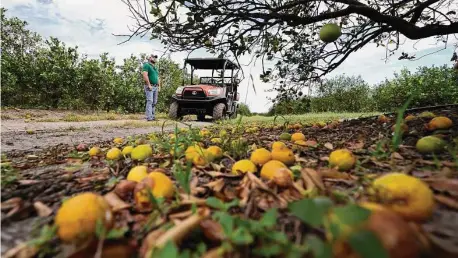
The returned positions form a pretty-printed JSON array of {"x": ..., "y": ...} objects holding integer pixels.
[
  {"x": 99, "y": 228},
  {"x": 269, "y": 219},
  {"x": 334, "y": 228},
  {"x": 242, "y": 236},
  {"x": 117, "y": 233},
  {"x": 277, "y": 236},
  {"x": 366, "y": 244},
  {"x": 201, "y": 248},
  {"x": 268, "y": 250},
  {"x": 194, "y": 208},
  {"x": 311, "y": 211},
  {"x": 215, "y": 203},
  {"x": 352, "y": 214},
  {"x": 319, "y": 249},
  {"x": 226, "y": 221},
  {"x": 231, "y": 204},
  {"x": 185, "y": 254},
  {"x": 168, "y": 251}
]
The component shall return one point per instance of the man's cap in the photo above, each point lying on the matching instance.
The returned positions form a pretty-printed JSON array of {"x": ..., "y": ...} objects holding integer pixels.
[{"x": 153, "y": 55}]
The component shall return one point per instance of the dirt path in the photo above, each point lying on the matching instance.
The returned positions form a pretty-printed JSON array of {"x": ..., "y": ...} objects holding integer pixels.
[{"x": 17, "y": 135}]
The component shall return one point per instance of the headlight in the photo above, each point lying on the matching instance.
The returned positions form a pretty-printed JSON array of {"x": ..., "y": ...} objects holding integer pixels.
[
  {"x": 214, "y": 92},
  {"x": 179, "y": 90}
]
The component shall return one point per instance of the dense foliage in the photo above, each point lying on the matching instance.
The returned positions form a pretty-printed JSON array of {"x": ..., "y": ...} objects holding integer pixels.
[
  {"x": 39, "y": 73},
  {"x": 244, "y": 110},
  {"x": 428, "y": 85}
]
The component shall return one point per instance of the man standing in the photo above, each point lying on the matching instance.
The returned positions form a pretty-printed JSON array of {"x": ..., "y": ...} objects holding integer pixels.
[{"x": 151, "y": 78}]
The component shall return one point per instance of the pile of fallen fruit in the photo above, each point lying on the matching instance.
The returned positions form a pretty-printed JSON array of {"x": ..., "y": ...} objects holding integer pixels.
[{"x": 372, "y": 187}]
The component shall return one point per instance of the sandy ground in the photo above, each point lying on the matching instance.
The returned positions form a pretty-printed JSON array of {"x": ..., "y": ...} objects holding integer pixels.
[{"x": 17, "y": 135}]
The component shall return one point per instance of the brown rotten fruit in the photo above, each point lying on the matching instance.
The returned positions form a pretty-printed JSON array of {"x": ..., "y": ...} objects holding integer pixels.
[{"x": 394, "y": 233}]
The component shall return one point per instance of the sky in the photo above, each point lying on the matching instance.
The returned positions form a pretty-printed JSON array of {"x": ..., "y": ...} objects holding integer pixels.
[{"x": 90, "y": 24}]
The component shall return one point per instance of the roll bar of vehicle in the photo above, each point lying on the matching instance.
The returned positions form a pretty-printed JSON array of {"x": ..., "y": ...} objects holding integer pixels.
[{"x": 210, "y": 63}]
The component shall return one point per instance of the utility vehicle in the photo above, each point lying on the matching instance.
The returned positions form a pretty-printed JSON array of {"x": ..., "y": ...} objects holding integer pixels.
[{"x": 214, "y": 95}]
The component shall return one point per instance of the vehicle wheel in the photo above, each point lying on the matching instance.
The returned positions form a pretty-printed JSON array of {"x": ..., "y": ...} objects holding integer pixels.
[
  {"x": 219, "y": 111},
  {"x": 174, "y": 111},
  {"x": 234, "y": 114},
  {"x": 201, "y": 117}
]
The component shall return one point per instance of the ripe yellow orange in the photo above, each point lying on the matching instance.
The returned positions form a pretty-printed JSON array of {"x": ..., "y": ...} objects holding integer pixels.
[
  {"x": 244, "y": 166},
  {"x": 269, "y": 169},
  {"x": 404, "y": 194},
  {"x": 343, "y": 159},
  {"x": 260, "y": 156},
  {"x": 137, "y": 173},
  {"x": 77, "y": 217}
]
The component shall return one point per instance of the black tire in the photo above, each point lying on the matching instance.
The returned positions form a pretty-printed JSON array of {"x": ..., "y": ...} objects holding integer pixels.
[
  {"x": 234, "y": 114},
  {"x": 219, "y": 111},
  {"x": 174, "y": 110},
  {"x": 201, "y": 118}
]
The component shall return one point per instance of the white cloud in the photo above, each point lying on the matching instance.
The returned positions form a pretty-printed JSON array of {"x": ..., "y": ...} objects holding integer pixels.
[{"x": 90, "y": 25}]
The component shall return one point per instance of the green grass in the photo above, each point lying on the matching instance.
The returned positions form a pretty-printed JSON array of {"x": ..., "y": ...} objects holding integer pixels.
[{"x": 305, "y": 118}]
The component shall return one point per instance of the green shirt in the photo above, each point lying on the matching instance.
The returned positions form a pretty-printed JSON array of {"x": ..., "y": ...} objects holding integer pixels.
[{"x": 153, "y": 74}]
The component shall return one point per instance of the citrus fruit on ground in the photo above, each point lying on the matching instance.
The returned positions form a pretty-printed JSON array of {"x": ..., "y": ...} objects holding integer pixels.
[
  {"x": 427, "y": 114},
  {"x": 383, "y": 119},
  {"x": 94, "y": 151},
  {"x": 283, "y": 177},
  {"x": 222, "y": 133},
  {"x": 118, "y": 140},
  {"x": 404, "y": 128},
  {"x": 163, "y": 185},
  {"x": 216, "y": 151},
  {"x": 404, "y": 194},
  {"x": 330, "y": 32},
  {"x": 137, "y": 173},
  {"x": 394, "y": 233},
  {"x": 343, "y": 159},
  {"x": 204, "y": 132},
  {"x": 440, "y": 123},
  {"x": 199, "y": 160},
  {"x": 284, "y": 155},
  {"x": 127, "y": 150},
  {"x": 77, "y": 217},
  {"x": 301, "y": 143},
  {"x": 192, "y": 151},
  {"x": 244, "y": 166},
  {"x": 278, "y": 146},
  {"x": 409, "y": 118},
  {"x": 216, "y": 140},
  {"x": 430, "y": 144},
  {"x": 260, "y": 156},
  {"x": 297, "y": 137},
  {"x": 285, "y": 136},
  {"x": 114, "y": 154},
  {"x": 141, "y": 152},
  {"x": 269, "y": 169}
]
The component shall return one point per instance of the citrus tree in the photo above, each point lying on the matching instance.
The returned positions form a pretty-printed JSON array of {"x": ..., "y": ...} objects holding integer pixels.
[
  {"x": 303, "y": 39},
  {"x": 46, "y": 73}
]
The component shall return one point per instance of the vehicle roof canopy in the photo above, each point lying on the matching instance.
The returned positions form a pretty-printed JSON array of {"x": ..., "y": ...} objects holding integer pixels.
[{"x": 211, "y": 63}]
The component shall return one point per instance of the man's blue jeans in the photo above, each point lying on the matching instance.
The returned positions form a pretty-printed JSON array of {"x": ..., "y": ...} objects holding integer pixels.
[{"x": 151, "y": 100}]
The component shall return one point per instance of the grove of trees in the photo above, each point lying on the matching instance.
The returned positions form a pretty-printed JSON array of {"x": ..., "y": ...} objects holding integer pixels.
[
  {"x": 45, "y": 73},
  {"x": 435, "y": 85}
]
